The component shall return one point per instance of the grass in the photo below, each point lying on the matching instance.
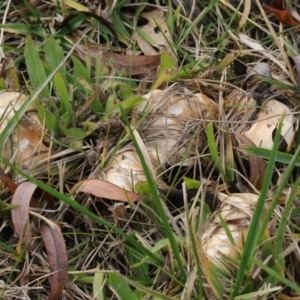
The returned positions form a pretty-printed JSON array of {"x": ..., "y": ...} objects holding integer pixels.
[{"x": 92, "y": 112}]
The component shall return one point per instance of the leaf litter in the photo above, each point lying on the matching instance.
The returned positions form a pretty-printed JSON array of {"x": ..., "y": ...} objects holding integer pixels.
[{"x": 170, "y": 127}]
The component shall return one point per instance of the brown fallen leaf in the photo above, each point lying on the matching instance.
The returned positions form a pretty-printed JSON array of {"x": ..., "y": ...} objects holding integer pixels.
[
  {"x": 283, "y": 16},
  {"x": 26, "y": 141},
  {"x": 257, "y": 164},
  {"x": 57, "y": 257},
  {"x": 157, "y": 30},
  {"x": 134, "y": 65},
  {"x": 10, "y": 184},
  {"x": 20, "y": 214},
  {"x": 29, "y": 141},
  {"x": 105, "y": 189}
]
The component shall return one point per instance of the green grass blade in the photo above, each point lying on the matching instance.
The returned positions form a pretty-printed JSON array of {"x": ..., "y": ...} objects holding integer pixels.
[
  {"x": 279, "y": 190},
  {"x": 287, "y": 209},
  {"x": 254, "y": 231},
  {"x": 281, "y": 157},
  {"x": 7, "y": 248},
  {"x": 213, "y": 149},
  {"x": 274, "y": 273},
  {"x": 120, "y": 287},
  {"x": 35, "y": 67}
]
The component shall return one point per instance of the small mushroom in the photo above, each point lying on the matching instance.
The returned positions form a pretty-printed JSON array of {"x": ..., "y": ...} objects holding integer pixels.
[
  {"x": 262, "y": 132},
  {"x": 26, "y": 148},
  {"x": 171, "y": 118}
]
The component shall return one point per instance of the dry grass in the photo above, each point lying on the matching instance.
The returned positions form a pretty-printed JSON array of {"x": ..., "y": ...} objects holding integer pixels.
[{"x": 152, "y": 244}]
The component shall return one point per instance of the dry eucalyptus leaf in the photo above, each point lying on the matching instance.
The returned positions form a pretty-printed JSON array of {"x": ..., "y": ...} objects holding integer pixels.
[
  {"x": 157, "y": 30},
  {"x": 28, "y": 142},
  {"x": 9, "y": 183},
  {"x": 283, "y": 16},
  {"x": 20, "y": 214},
  {"x": 105, "y": 189},
  {"x": 57, "y": 257},
  {"x": 132, "y": 64}
]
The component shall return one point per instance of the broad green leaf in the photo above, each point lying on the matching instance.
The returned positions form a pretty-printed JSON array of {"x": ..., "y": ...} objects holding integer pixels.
[
  {"x": 98, "y": 285},
  {"x": 76, "y": 134},
  {"x": 110, "y": 105},
  {"x": 170, "y": 18},
  {"x": 121, "y": 30},
  {"x": 191, "y": 184},
  {"x": 35, "y": 66},
  {"x": 2, "y": 84},
  {"x": 64, "y": 98},
  {"x": 75, "y": 5},
  {"x": 20, "y": 28},
  {"x": 295, "y": 213},
  {"x": 131, "y": 102},
  {"x": 7, "y": 248},
  {"x": 80, "y": 72},
  {"x": 168, "y": 70},
  {"x": 72, "y": 24},
  {"x": 126, "y": 92},
  {"x": 50, "y": 120},
  {"x": 120, "y": 287},
  {"x": 13, "y": 122},
  {"x": 141, "y": 269},
  {"x": 166, "y": 61},
  {"x": 143, "y": 188},
  {"x": 121, "y": 3},
  {"x": 97, "y": 108},
  {"x": 54, "y": 54}
]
